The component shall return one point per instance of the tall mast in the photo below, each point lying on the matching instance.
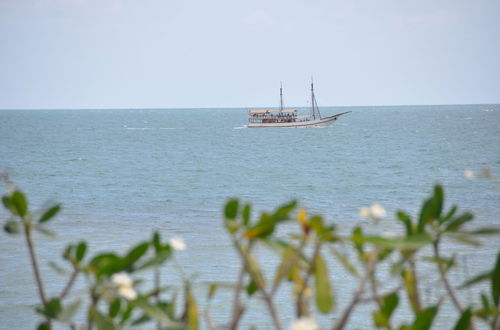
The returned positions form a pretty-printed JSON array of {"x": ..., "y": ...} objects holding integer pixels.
[
  {"x": 281, "y": 96},
  {"x": 314, "y": 104}
]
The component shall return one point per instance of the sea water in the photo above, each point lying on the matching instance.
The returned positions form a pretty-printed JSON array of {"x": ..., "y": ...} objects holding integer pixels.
[{"x": 121, "y": 174}]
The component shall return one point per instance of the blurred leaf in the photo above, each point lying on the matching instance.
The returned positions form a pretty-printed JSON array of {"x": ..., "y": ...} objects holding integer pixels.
[
  {"x": 426, "y": 215},
  {"x": 211, "y": 290},
  {"x": 155, "y": 312},
  {"x": 44, "y": 231},
  {"x": 463, "y": 322},
  {"x": 283, "y": 212},
  {"x": 11, "y": 227},
  {"x": 128, "y": 313},
  {"x": 324, "y": 298},
  {"x": 142, "y": 319},
  {"x": 114, "y": 308},
  {"x": 8, "y": 204},
  {"x": 251, "y": 288},
  {"x": 69, "y": 311},
  {"x": 425, "y": 318},
  {"x": 410, "y": 285},
  {"x": 358, "y": 240},
  {"x": 477, "y": 279},
  {"x": 58, "y": 269},
  {"x": 463, "y": 238},
  {"x": 49, "y": 214},
  {"x": 345, "y": 262},
  {"x": 449, "y": 215},
  {"x": 255, "y": 272},
  {"x": 103, "y": 322},
  {"x": 231, "y": 209},
  {"x": 156, "y": 241},
  {"x": 456, "y": 223},
  {"x": 446, "y": 262},
  {"x": 43, "y": 326},
  {"x": 287, "y": 260},
  {"x": 263, "y": 228},
  {"x": 160, "y": 257},
  {"x": 51, "y": 309},
  {"x": 410, "y": 243},
  {"x": 246, "y": 214},
  {"x": 406, "y": 220},
  {"x": 191, "y": 316},
  {"x": 485, "y": 303},
  {"x": 20, "y": 203},
  {"x": 495, "y": 282},
  {"x": 136, "y": 253},
  {"x": 80, "y": 251},
  {"x": 484, "y": 231},
  {"x": 389, "y": 304},
  {"x": 107, "y": 264}
]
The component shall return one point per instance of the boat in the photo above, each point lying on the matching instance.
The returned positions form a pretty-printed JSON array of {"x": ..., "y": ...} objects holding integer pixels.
[{"x": 290, "y": 117}]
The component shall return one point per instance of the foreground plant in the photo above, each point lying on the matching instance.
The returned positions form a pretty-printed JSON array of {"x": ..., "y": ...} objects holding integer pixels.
[{"x": 115, "y": 299}]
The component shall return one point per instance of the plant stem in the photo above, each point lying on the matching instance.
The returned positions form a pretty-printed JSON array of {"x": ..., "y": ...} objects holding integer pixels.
[
  {"x": 68, "y": 286},
  {"x": 157, "y": 290},
  {"x": 238, "y": 309},
  {"x": 309, "y": 272},
  {"x": 357, "y": 296}
]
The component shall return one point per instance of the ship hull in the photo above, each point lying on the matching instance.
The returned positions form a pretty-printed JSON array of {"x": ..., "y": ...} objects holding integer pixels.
[{"x": 327, "y": 121}]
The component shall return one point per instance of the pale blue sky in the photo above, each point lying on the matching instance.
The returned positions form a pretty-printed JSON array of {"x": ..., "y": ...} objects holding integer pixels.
[{"x": 182, "y": 53}]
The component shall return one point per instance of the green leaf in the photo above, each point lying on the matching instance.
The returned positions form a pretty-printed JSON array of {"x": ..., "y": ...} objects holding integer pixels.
[
  {"x": 389, "y": 304},
  {"x": 81, "y": 248},
  {"x": 155, "y": 312},
  {"x": 191, "y": 314},
  {"x": 44, "y": 231},
  {"x": 43, "y": 326},
  {"x": 406, "y": 220},
  {"x": 477, "y": 279},
  {"x": 49, "y": 214},
  {"x": 69, "y": 311},
  {"x": 231, "y": 209},
  {"x": 211, "y": 290},
  {"x": 358, "y": 240},
  {"x": 114, "y": 308},
  {"x": 344, "y": 260},
  {"x": 324, "y": 298},
  {"x": 495, "y": 282},
  {"x": 20, "y": 203},
  {"x": 103, "y": 322},
  {"x": 246, "y": 214},
  {"x": 251, "y": 288},
  {"x": 449, "y": 215},
  {"x": 8, "y": 204},
  {"x": 456, "y": 223},
  {"x": 413, "y": 242},
  {"x": 411, "y": 289},
  {"x": 136, "y": 253},
  {"x": 156, "y": 241},
  {"x": 51, "y": 309},
  {"x": 106, "y": 264},
  {"x": 425, "y": 318},
  {"x": 283, "y": 212},
  {"x": 463, "y": 322},
  {"x": 11, "y": 227}
]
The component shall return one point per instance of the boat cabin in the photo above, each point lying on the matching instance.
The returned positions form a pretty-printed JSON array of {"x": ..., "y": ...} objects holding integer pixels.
[{"x": 272, "y": 116}]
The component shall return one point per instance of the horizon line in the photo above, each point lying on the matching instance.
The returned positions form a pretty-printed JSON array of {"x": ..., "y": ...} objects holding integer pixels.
[{"x": 251, "y": 107}]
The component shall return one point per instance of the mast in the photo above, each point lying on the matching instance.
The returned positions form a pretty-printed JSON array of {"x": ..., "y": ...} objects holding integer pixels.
[
  {"x": 314, "y": 104},
  {"x": 281, "y": 96}
]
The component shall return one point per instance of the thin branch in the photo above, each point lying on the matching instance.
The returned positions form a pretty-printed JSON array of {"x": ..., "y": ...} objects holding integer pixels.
[
  {"x": 69, "y": 285},
  {"x": 357, "y": 297},
  {"x": 309, "y": 272},
  {"x": 267, "y": 298},
  {"x": 288, "y": 266},
  {"x": 238, "y": 309}
]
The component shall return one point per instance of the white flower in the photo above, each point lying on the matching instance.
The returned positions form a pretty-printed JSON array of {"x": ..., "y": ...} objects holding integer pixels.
[
  {"x": 469, "y": 174},
  {"x": 374, "y": 211},
  {"x": 127, "y": 292},
  {"x": 124, "y": 285},
  {"x": 377, "y": 210},
  {"x": 177, "y": 243},
  {"x": 304, "y": 323},
  {"x": 122, "y": 279}
]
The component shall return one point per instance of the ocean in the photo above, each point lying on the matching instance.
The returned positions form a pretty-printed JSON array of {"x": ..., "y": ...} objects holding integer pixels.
[{"x": 121, "y": 174}]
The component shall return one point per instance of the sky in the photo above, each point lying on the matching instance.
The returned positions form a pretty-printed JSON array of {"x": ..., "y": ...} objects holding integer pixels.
[{"x": 65, "y": 54}]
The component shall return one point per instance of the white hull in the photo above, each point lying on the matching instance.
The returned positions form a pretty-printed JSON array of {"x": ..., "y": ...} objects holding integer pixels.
[{"x": 327, "y": 121}]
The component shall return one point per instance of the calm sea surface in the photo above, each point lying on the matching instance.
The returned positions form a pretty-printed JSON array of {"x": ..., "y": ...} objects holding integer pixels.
[{"x": 121, "y": 174}]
